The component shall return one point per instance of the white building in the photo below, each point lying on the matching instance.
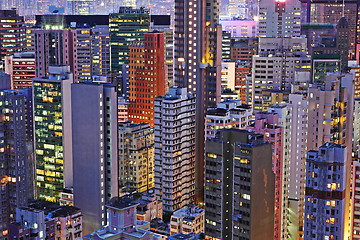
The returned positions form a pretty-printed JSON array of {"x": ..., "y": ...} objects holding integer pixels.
[
  {"x": 175, "y": 149},
  {"x": 275, "y": 66},
  {"x": 188, "y": 219},
  {"x": 228, "y": 114},
  {"x": 228, "y": 75},
  {"x": 279, "y": 18},
  {"x": 297, "y": 145}
]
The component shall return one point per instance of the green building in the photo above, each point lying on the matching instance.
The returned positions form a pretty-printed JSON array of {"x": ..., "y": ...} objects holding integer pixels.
[
  {"x": 52, "y": 123},
  {"x": 125, "y": 27}
]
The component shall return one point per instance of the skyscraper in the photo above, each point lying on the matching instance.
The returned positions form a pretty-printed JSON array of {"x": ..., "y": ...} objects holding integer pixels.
[
  {"x": 268, "y": 125},
  {"x": 147, "y": 70},
  {"x": 21, "y": 67},
  {"x": 53, "y": 137},
  {"x": 197, "y": 65},
  {"x": 279, "y": 18},
  {"x": 126, "y": 27},
  {"x": 325, "y": 193},
  {"x": 239, "y": 186},
  {"x": 12, "y": 35},
  {"x": 54, "y": 47},
  {"x": 94, "y": 150},
  {"x": 13, "y": 158},
  {"x": 175, "y": 149}
]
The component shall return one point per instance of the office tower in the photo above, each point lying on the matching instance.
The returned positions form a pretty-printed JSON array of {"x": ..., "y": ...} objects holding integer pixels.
[
  {"x": 355, "y": 204},
  {"x": 197, "y": 65},
  {"x": 13, "y": 158},
  {"x": 21, "y": 67},
  {"x": 100, "y": 43},
  {"x": 331, "y": 12},
  {"x": 12, "y": 35},
  {"x": 162, "y": 23},
  {"x": 279, "y": 18},
  {"x": 243, "y": 49},
  {"x": 94, "y": 150},
  {"x": 188, "y": 219},
  {"x": 226, "y": 46},
  {"x": 227, "y": 114},
  {"x": 54, "y": 47},
  {"x": 324, "y": 193},
  {"x": 241, "y": 87},
  {"x": 126, "y": 27},
  {"x": 330, "y": 115},
  {"x": 240, "y": 28},
  {"x": 275, "y": 67},
  {"x": 83, "y": 50},
  {"x": 136, "y": 158},
  {"x": 228, "y": 75},
  {"x": 175, "y": 149},
  {"x": 53, "y": 138},
  {"x": 268, "y": 125},
  {"x": 239, "y": 186},
  {"x": 297, "y": 149},
  {"x": 146, "y": 77}
]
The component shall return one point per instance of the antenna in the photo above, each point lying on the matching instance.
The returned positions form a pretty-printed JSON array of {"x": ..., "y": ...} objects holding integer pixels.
[{"x": 343, "y": 10}]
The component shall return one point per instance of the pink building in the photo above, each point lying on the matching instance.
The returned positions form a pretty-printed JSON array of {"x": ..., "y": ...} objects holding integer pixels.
[
  {"x": 122, "y": 223},
  {"x": 268, "y": 124},
  {"x": 54, "y": 47}
]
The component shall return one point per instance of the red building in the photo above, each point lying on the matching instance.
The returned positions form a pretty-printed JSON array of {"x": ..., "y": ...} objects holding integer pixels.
[
  {"x": 268, "y": 124},
  {"x": 146, "y": 77},
  {"x": 21, "y": 67},
  {"x": 240, "y": 81}
]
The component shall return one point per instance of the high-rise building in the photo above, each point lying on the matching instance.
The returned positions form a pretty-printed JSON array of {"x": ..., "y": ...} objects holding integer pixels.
[
  {"x": 294, "y": 160},
  {"x": 325, "y": 193},
  {"x": 239, "y": 186},
  {"x": 228, "y": 75},
  {"x": 12, "y": 34},
  {"x": 242, "y": 69},
  {"x": 100, "y": 43},
  {"x": 197, "y": 65},
  {"x": 21, "y": 67},
  {"x": 13, "y": 158},
  {"x": 279, "y": 18},
  {"x": 84, "y": 53},
  {"x": 80, "y": 7},
  {"x": 53, "y": 137},
  {"x": 330, "y": 119},
  {"x": 125, "y": 27},
  {"x": 275, "y": 67},
  {"x": 227, "y": 114},
  {"x": 243, "y": 49},
  {"x": 268, "y": 124},
  {"x": 136, "y": 158},
  {"x": 175, "y": 149},
  {"x": 146, "y": 77},
  {"x": 122, "y": 110},
  {"x": 355, "y": 204},
  {"x": 94, "y": 150},
  {"x": 53, "y": 47}
]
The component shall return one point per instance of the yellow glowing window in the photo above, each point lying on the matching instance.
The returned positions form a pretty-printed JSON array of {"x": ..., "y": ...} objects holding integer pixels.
[
  {"x": 327, "y": 203},
  {"x": 212, "y": 155}
]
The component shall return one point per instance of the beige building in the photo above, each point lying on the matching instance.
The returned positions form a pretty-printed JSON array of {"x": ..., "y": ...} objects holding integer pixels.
[
  {"x": 187, "y": 220},
  {"x": 136, "y": 158}
]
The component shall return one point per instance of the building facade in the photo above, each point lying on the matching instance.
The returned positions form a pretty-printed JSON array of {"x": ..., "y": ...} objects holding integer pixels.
[{"x": 175, "y": 149}]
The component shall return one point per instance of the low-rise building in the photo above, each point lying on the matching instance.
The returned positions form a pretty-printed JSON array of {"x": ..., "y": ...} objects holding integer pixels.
[
  {"x": 122, "y": 222},
  {"x": 187, "y": 220}
]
